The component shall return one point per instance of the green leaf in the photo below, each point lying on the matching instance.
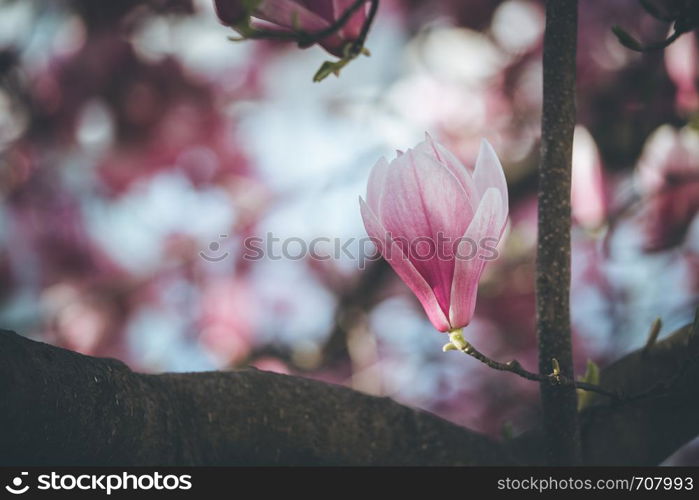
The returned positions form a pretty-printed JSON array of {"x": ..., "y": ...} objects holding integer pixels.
[
  {"x": 591, "y": 377},
  {"x": 329, "y": 68},
  {"x": 251, "y": 5},
  {"x": 508, "y": 432}
]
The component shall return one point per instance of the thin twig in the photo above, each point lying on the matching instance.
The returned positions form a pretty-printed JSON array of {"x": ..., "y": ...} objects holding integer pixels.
[
  {"x": 658, "y": 45},
  {"x": 337, "y": 25},
  {"x": 662, "y": 386},
  {"x": 359, "y": 43},
  {"x": 515, "y": 367}
]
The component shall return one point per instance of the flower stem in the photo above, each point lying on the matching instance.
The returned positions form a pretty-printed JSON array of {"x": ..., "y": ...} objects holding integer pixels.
[{"x": 458, "y": 343}]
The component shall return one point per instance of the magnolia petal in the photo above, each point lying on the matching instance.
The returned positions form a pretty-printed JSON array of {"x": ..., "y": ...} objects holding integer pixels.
[
  {"x": 452, "y": 163},
  {"x": 296, "y": 17},
  {"x": 324, "y": 8},
  {"x": 353, "y": 27},
  {"x": 414, "y": 191},
  {"x": 490, "y": 174},
  {"x": 404, "y": 268},
  {"x": 467, "y": 271},
  {"x": 332, "y": 10},
  {"x": 230, "y": 12},
  {"x": 290, "y": 15},
  {"x": 424, "y": 205},
  {"x": 377, "y": 181}
]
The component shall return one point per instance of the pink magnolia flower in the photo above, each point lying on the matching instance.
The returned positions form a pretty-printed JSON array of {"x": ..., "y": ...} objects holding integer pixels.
[
  {"x": 308, "y": 16},
  {"x": 588, "y": 196},
  {"x": 681, "y": 65},
  {"x": 426, "y": 197},
  {"x": 668, "y": 178}
]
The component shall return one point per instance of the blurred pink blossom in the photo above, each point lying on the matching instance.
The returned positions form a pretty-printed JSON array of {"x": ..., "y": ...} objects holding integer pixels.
[
  {"x": 269, "y": 364},
  {"x": 668, "y": 176},
  {"x": 427, "y": 195},
  {"x": 588, "y": 198},
  {"x": 308, "y": 16},
  {"x": 226, "y": 320},
  {"x": 681, "y": 64}
]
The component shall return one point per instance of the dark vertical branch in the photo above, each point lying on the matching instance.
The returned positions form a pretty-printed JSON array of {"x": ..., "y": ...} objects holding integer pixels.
[{"x": 553, "y": 259}]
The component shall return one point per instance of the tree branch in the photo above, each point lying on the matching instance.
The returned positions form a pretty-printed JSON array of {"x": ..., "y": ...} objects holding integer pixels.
[
  {"x": 637, "y": 431},
  {"x": 646, "y": 430},
  {"x": 553, "y": 254},
  {"x": 60, "y": 407}
]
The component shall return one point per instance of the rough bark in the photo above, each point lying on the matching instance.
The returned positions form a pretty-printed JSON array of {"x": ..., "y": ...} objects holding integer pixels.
[
  {"x": 650, "y": 429},
  {"x": 553, "y": 254},
  {"x": 637, "y": 430},
  {"x": 58, "y": 407}
]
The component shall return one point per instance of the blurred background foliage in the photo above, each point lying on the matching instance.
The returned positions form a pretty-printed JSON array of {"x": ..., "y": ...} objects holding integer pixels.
[{"x": 138, "y": 145}]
